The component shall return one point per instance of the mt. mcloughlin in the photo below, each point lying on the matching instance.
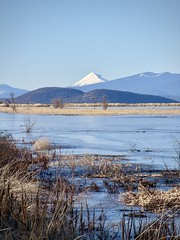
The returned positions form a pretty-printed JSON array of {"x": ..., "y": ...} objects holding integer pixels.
[
  {"x": 161, "y": 84},
  {"x": 91, "y": 78}
]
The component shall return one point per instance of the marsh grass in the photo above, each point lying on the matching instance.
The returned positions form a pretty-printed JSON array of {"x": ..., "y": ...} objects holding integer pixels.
[
  {"x": 31, "y": 208},
  {"x": 154, "y": 199},
  {"x": 35, "y": 207},
  {"x": 162, "y": 226},
  {"x": 28, "y": 209}
]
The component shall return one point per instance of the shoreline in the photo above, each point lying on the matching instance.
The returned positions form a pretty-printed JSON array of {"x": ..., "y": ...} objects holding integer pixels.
[{"x": 110, "y": 111}]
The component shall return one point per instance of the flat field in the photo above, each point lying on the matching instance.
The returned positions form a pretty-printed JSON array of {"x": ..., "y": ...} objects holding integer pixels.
[{"x": 113, "y": 109}]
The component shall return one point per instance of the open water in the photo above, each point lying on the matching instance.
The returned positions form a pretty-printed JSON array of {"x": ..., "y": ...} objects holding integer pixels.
[{"x": 143, "y": 139}]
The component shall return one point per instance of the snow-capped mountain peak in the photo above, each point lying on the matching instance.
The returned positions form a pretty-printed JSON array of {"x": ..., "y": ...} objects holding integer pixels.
[
  {"x": 149, "y": 74},
  {"x": 91, "y": 78},
  {"x": 163, "y": 84}
]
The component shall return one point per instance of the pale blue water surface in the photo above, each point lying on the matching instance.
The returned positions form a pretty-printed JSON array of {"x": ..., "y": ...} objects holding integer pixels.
[{"x": 143, "y": 139}]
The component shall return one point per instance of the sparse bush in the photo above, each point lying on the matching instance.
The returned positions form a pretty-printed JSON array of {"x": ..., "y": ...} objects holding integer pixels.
[
  {"x": 58, "y": 103},
  {"x": 42, "y": 144},
  {"x": 104, "y": 103},
  {"x": 29, "y": 124},
  {"x": 13, "y": 101},
  {"x": 94, "y": 99}
]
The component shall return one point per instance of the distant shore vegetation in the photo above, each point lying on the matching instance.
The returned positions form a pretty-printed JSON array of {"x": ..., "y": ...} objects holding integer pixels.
[{"x": 93, "y": 109}]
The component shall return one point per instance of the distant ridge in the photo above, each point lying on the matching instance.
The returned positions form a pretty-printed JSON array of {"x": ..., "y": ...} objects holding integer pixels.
[
  {"x": 114, "y": 96},
  {"x": 68, "y": 95},
  {"x": 6, "y": 90},
  {"x": 47, "y": 94}
]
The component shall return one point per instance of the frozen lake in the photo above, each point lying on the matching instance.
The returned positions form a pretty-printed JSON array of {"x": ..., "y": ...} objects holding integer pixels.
[{"x": 143, "y": 139}]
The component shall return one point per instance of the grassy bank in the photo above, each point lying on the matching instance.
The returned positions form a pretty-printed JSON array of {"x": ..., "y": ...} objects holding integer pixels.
[
  {"x": 88, "y": 109},
  {"x": 41, "y": 197}
]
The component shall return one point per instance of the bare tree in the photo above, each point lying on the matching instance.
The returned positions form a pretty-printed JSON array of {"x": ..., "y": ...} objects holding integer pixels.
[
  {"x": 94, "y": 101},
  {"x": 104, "y": 103},
  {"x": 58, "y": 103},
  {"x": 29, "y": 124},
  {"x": 13, "y": 101}
]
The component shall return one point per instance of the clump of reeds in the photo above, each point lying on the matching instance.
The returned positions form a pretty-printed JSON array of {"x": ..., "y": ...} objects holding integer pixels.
[
  {"x": 28, "y": 208},
  {"x": 153, "y": 199},
  {"x": 42, "y": 144},
  {"x": 140, "y": 226},
  {"x": 9, "y": 152}
]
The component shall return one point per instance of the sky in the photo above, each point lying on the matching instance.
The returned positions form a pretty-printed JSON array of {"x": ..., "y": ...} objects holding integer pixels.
[{"x": 57, "y": 42}]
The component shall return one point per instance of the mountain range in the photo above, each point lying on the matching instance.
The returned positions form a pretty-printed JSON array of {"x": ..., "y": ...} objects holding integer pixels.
[
  {"x": 160, "y": 84},
  {"x": 6, "y": 90},
  {"x": 143, "y": 87}
]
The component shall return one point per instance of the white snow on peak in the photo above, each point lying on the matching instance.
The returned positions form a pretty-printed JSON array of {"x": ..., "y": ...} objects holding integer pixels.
[
  {"x": 149, "y": 74},
  {"x": 91, "y": 78}
]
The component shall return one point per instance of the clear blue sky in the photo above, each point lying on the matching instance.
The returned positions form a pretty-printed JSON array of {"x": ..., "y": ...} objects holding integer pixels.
[{"x": 57, "y": 42}]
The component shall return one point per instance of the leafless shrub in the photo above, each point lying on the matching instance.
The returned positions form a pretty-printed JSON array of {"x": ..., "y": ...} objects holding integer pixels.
[
  {"x": 58, "y": 103},
  {"x": 94, "y": 99},
  {"x": 13, "y": 105},
  {"x": 29, "y": 124},
  {"x": 104, "y": 103}
]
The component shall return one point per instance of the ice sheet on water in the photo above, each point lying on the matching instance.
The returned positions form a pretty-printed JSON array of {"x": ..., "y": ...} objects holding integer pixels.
[{"x": 144, "y": 139}]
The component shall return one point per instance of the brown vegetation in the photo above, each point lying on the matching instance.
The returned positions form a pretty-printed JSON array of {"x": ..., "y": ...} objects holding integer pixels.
[
  {"x": 88, "y": 109},
  {"x": 38, "y": 204},
  {"x": 152, "y": 199}
]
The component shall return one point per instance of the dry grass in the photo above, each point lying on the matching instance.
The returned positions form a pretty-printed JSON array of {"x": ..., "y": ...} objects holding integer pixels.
[
  {"x": 36, "y": 207},
  {"x": 28, "y": 208},
  {"x": 42, "y": 144},
  {"x": 153, "y": 199},
  {"x": 150, "y": 109},
  {"x": 163, "y": 227}
]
